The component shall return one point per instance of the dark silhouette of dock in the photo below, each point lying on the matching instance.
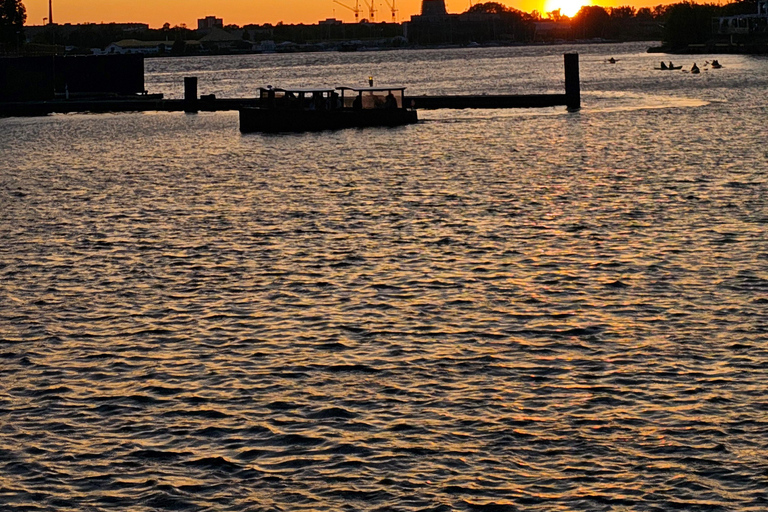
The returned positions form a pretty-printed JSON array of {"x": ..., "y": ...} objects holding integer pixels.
[
  {"x": 194, "y": 103},
  {"x": 571, "y": 98}
]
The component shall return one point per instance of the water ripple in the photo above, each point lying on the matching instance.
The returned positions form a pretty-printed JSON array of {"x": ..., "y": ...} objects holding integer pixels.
[{"x": 485, "y": 311}]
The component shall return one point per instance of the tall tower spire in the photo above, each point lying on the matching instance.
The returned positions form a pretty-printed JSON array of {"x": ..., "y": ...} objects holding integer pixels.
[
  {"x": 433, "y": 8},
  {"x": 50, "y": 12}
]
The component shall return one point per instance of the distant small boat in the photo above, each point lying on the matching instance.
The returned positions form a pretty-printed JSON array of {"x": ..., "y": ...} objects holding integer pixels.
[
  {"x": 716, "y": 65},
  {"x": 695, "y": 69},
  {"x": 669, "y": 68},
  {"x": 612, "y": 61}
]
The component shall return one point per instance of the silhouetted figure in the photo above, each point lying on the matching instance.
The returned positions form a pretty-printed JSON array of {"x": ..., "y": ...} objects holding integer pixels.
[
  {"x": 317, "y": 100},
  {"x": 390, "y": 102},
  {"x": 357, "y": 104},
  {"x": 663, "y": 66},
  {"x": 335, "y": 103}
]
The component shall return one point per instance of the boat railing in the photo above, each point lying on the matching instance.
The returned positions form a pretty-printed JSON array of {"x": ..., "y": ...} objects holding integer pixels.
[
  {"x": 372, "y": 97},
  {"x": 341, "y": 98}
]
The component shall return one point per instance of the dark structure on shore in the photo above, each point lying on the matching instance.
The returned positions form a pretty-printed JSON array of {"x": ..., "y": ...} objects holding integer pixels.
[
  {"x": 435, "y": 26},
  {"x": 745, "y": 28},
  {"x": 47, "y": 77}
]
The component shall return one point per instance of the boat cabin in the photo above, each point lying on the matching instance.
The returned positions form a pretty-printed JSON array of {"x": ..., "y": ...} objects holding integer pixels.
[
  {"x": 299, "y": 98},
  {"x": 372, "y": 97},
  {"x": 341, "y": 98},
  {"x": 299, "y": 110}
]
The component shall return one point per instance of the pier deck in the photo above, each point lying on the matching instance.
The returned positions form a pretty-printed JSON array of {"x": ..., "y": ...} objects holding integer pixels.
[{"x": 193, "y": 103}]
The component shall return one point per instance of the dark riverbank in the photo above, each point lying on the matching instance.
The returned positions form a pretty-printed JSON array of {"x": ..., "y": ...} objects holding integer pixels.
[{"x": 716, "y": 48}]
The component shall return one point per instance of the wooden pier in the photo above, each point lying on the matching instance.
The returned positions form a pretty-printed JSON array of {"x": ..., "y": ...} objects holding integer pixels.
[
  {"x": 193, "y": 103},
  {"x": 571, "y": 98}
]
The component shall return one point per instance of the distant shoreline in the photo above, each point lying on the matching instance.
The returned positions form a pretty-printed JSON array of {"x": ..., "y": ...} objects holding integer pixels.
[
  {"x": 716, "y": 48},
  {"x": 419, "y": 47}
]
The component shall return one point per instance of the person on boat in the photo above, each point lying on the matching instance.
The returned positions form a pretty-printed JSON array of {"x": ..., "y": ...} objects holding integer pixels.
[
  {"x": 663, "y": 66},
  {"x": 317, "y": 99},
  {"x": 357, "y": 103},
  {"x": 716, "y": 64},
  {"x": 291, "y": 100},
  {"x": 612, "y": 60},
  {"x": 390, "y": 102},
  {"x": 671, "y": 66},
  {"x": 334, "y": 102},
  {"x": 695, "y": 68}
]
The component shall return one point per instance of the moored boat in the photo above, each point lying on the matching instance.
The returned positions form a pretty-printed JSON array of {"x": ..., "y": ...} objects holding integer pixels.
[{"x": 316, "y": 109}]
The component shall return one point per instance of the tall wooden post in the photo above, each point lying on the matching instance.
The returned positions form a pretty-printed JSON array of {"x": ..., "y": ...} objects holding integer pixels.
[
  {"x": 572, "y": 87},
  {"x": 190, "y": 94}
]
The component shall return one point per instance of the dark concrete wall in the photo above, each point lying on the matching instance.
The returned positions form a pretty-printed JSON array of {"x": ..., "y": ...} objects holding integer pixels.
[
  {"x": 26, "y": 78},
  {"x": 39, "y": 78}
]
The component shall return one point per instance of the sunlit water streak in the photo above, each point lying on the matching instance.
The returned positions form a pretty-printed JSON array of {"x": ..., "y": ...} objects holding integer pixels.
[{"x": 489, "y": 310}]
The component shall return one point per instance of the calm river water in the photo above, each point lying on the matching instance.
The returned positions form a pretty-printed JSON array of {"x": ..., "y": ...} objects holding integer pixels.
[{"x": 490, "y": 310}]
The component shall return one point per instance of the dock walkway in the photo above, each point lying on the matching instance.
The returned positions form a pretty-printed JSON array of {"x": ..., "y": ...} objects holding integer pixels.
[{"x": 194, "y": 103}]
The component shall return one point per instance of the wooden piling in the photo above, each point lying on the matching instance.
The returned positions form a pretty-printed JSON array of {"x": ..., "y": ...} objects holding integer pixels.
[
  {"x": 572, "y": 86},
  {"x": 190, "y": 94}
]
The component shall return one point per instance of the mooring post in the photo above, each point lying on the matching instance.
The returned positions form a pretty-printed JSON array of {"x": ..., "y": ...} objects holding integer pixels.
[
  {"x": 572, "y": 88},
  {"x": 190, "y": 94}
]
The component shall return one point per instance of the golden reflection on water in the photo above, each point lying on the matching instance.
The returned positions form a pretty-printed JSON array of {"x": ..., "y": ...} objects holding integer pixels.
[{"x": 483, "y": 311}]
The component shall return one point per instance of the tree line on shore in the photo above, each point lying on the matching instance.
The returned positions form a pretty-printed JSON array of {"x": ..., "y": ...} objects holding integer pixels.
[{"x": 676, "y": 25}]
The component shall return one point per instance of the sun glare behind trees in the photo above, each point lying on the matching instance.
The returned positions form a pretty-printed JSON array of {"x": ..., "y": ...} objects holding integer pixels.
[{"x": 565, "y": 7}]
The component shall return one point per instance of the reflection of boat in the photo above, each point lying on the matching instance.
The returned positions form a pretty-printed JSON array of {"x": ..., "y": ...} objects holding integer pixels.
[{"x": 300, "y": 110}]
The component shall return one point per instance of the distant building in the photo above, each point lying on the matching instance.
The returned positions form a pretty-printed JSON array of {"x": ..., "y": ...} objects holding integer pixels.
[
  {"x": 549, "y": 30},
  {"x": 133, "y": 46},
  {"x": 219, "y": 39},
  {"x": 436, "y": 26},
  {"x": 33, "y": 31},
  {"x": 433, "y": 8},
  {"x": 210, "y": 22},
  {"x": 330, "y": 21},
  {"x": 745, "y": 25},
  {"x": 267, "y": 47}
]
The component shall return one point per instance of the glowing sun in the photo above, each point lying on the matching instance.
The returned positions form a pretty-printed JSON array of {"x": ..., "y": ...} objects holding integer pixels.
[{"x": 567, "y": 7}]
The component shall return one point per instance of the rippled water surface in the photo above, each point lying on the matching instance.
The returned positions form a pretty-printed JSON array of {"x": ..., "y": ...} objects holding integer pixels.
[{"x": 487, "y": 311}]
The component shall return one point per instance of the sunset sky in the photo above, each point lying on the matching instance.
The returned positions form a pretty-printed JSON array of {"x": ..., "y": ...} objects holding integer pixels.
[{"x": 242, "y": 12}]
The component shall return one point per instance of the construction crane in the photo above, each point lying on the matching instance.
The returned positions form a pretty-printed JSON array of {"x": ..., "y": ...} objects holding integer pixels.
[
  {"x": 371, "y": 9},
  {"x": 392, "y": 8},
  {"x": 355, "y": 9}
]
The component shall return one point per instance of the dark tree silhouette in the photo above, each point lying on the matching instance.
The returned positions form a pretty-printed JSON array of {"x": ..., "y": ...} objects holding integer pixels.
[
  {"x": 13, "y": 14},
  {"x": 688, "y": 23},
  {"x": 644, "y": 13},
  {"x": 624, "y": 12},
  {"x": 489, "y": 8},
  {"x": 591, "y": 21},
  {"x": 507, "y": 13}
]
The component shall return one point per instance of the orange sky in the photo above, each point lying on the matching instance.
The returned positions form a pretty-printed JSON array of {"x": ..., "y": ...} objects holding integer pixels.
[{"x": 242, "y": 12}]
